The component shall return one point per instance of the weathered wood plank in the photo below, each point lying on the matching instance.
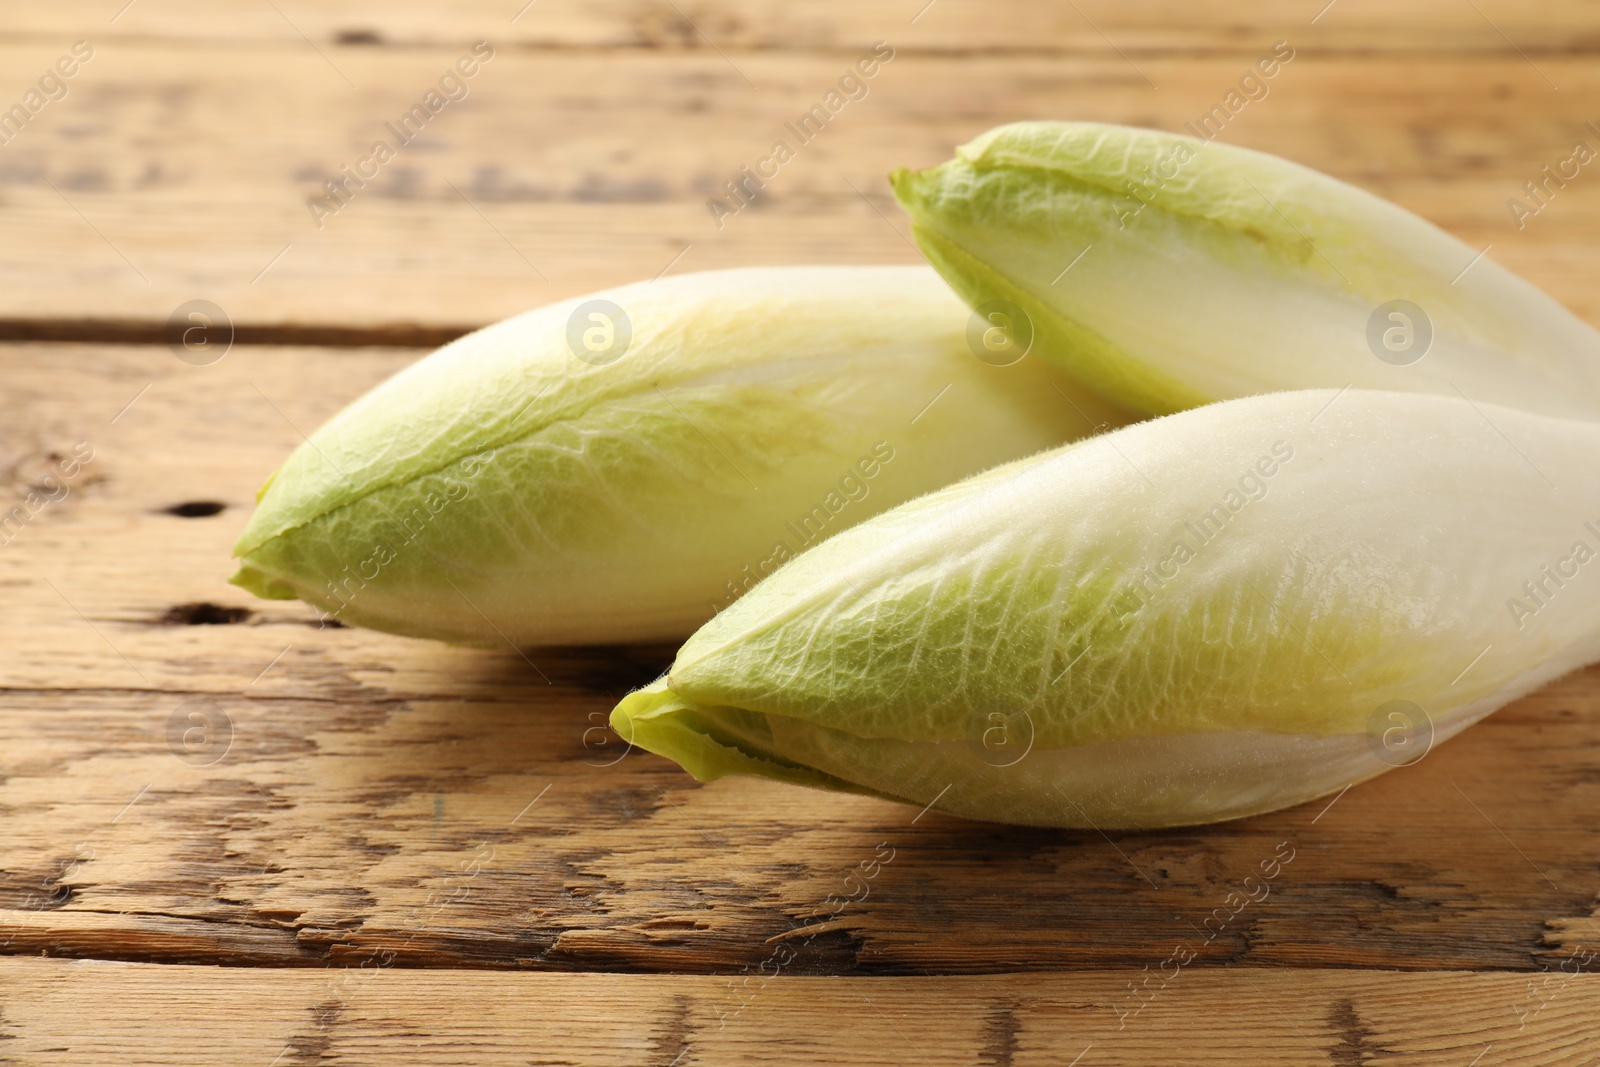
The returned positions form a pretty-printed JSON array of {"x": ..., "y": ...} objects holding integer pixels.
[
  {"x": 385, "y": 801},
  {"x": 58, "y": 1012},
  {"x": 183, "y": 170},
  {"x": 944, "y": 25}
]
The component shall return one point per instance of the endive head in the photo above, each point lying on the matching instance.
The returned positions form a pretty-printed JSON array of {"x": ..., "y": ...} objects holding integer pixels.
[
  {"x": 616, "y": 466},
  {"x": 1200, "y": 617},
  {"x": 1169, "y": 271}
]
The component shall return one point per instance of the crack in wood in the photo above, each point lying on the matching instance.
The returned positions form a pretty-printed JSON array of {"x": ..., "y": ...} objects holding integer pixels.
[{"x": 156, "y": 332}]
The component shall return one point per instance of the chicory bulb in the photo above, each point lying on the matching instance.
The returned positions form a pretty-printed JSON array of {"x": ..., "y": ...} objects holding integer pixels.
[
  {"x": 617, "y": 467},
  {"x": 1200, "y": 617},
  {"x": 1167, "y": 272}
]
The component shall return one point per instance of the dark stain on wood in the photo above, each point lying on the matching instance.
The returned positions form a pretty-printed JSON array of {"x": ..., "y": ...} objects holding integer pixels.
[
  {"x": 1355, "y": 1046},
  {"x": 203, "y": 613},
  {"x": 671, "y": 1043},
  {"x": 196, "y": 509},
  {"x": 34, "y": 890},
  {"x": 311, "y": 1043},
  {"x": 611, "y": 670},
  {"x": 1000, "y": 1028}
]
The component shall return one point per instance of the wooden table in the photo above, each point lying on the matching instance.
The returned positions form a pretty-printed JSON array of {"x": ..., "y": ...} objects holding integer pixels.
[{"x": 234, "y": 837}]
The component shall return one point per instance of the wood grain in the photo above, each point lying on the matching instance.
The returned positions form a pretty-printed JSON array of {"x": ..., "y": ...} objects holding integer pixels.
[
  {"x": 182, "y": 169},
  {"x": 364, "y": 847},
  {"x": 372, "y": 802},
  {"x": 950, "y": 26},
  {"x": 60, "y": 1012}
]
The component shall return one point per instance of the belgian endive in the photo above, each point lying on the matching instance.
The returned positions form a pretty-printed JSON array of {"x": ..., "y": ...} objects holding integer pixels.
[
  {"x": 616, "y": 467},
  {"x": 1167, "y": 272},
  {"x": 1212, "y": 614}
]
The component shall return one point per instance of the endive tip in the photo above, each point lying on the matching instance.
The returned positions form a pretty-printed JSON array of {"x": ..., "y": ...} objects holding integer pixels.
[
  {"x": 621, "y": 720},
  {"x": 262, "y": 585},
  {"x": 902, "y": 181},
  {"x": 638, "y": 704}
]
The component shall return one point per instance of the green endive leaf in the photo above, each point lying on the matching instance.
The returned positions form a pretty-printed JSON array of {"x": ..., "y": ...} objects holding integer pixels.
[
  {"x": 1166, "y": 272},
  {"x": 618, "y": 466},
  {"x": 1199, "y": 617}
]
